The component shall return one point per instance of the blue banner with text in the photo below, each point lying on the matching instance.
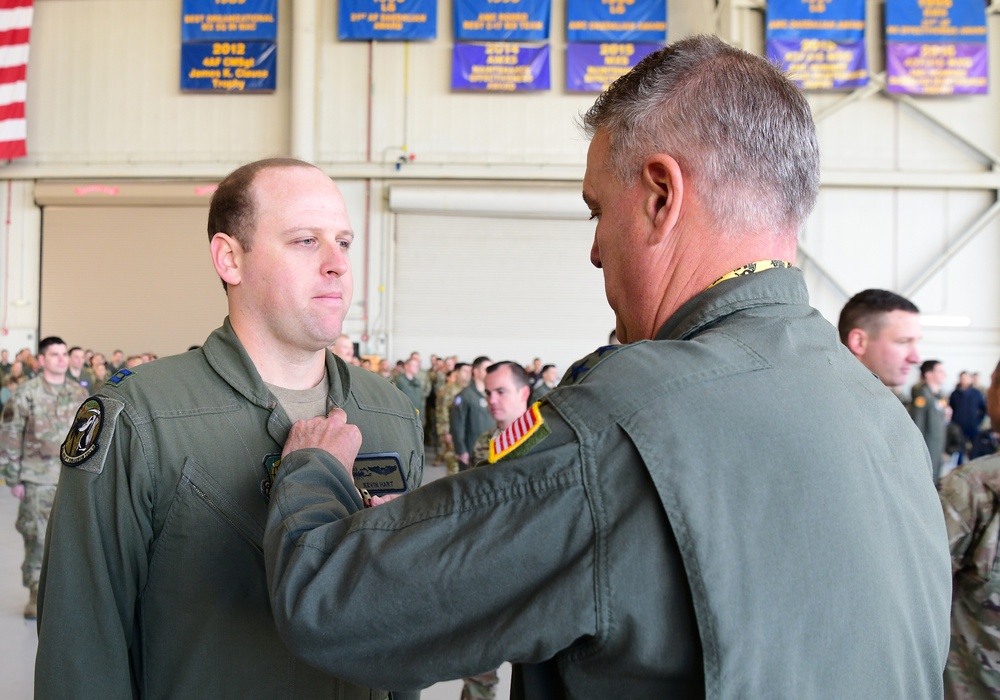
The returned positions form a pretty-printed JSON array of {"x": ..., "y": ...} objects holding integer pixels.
[
  {"x": 500, "y": 67},
  {"x": 616, "y": 21},
  {"x": 222, "y": 20},
  {"x": 502, "y": 20},
  {"x": 387, "y": 20}
]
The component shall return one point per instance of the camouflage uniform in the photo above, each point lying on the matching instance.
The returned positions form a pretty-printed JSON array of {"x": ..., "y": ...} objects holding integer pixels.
[
  {"x": 32, "y": 428},
  {"x": 446, "y": 396},
  {"x": 482, "y": 686},
  {"x": 481, "y": 450},
  {"x": 970, "y": 497}
]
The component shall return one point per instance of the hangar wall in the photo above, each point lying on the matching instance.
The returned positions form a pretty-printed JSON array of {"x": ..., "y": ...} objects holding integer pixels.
[{"x": 909, "y": 186}]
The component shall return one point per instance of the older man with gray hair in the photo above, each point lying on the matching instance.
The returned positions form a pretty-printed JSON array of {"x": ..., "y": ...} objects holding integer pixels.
[{"x": 682, "y": 516}]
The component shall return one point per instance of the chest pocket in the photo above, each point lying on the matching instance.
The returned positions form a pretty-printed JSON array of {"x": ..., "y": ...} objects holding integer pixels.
[{"x": 200, "y": 487}]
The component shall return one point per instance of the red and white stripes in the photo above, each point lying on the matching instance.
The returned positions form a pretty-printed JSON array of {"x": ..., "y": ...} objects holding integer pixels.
[{"x": 15, "y": 31}]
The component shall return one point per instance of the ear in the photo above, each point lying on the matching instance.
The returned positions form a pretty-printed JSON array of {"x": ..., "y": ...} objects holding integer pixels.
[
  {"x": 663, "y": 186},
  {"x": 227, "y": 253},
  {"x": 526, "y": 393},
  {"x": 857, "y": 341}
]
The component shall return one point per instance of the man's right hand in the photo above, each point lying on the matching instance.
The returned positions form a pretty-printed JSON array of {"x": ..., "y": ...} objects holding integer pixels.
[
  {"x": 18, "y": 491},
  {"x": 331, "y": 433}
]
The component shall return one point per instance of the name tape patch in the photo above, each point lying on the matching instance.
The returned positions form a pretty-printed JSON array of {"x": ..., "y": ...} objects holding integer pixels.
[{"x": 379, "y": 473}]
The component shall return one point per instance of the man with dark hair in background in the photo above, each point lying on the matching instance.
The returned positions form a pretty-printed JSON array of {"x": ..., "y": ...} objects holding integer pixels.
[
  {"x": 78, "y": 371},
  {"x": 33, "y": 424},
  {"x": 469, "y": 416},
  {"x": 507, "y": 391},
  {"x": 548, "y": 380},
  {"x": 734, "y": 508},
  {"x": 882, "y": 330},
  {"x": 154, "y": 582},
  {"x": 968, "y": 406},
  {"x": 930, "y": 411},
  {"x": 409, "y": 383}
]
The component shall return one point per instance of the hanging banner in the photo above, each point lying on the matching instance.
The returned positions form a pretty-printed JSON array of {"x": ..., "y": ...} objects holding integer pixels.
[
  {"x": 513, "y": 20},
  {"x": 229, "y": 66},
  {"x": 819, "y": 43},
  {"x": 498, "y": 67},
  {"x": 387, "y": 20},
  {"x": 593, "y": 67},
  {"x": 223, "y": 20},
  {"x": 616, "y": 21},
  {"x": 936, "y": 47}
]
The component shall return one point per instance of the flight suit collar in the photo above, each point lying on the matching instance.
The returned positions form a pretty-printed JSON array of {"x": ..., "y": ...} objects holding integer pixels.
[
  {"x": 777, "y": 286},
  {"x": 229, "y": 359}
]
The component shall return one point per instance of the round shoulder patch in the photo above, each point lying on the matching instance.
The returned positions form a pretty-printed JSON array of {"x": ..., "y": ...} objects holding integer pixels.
[{"x": 81, "y": 442}]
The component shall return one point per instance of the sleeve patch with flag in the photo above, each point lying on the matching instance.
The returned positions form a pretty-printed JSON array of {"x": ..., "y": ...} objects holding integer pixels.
[{"x": 523, "y": 434}]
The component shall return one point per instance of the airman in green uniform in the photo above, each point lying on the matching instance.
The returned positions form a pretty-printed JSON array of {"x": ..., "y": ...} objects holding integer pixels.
[
  {"x": 681, "y": 517},
  {"x": 154, "y": 582}
]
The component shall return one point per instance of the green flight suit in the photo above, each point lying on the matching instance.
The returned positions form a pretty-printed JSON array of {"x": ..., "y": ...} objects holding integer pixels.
[
  {"x": 469, "y": 418},
  {"x": 927, "y": 411},
  {"x": 413, "y": 389},
  {"x": 696, "y": 522},
  {"x": 154, "y": 584}
]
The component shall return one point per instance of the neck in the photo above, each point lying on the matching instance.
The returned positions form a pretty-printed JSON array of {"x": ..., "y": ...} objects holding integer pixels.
[
  {"x": 693, "y": 260},
  {"x": 480, "y": 385},
  {"x": 53, "y": 378},
  {"x": 281, "y": 365}
]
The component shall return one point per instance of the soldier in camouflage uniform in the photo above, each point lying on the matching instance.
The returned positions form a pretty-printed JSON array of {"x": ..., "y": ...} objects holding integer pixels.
[
  {"x": 34, "y": 423},
  {"x": 446, "y": 396},
  {"x": 507, "y": 390},
  {"x": 970, "y": 496}
]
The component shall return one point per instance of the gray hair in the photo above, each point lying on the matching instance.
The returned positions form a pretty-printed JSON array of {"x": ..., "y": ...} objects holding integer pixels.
[{"x": 738, "y": 128}]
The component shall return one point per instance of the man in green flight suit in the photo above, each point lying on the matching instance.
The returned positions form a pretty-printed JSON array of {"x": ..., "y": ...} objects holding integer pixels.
[
  {"x": 469, "y": 417},
  {"x": 930, "y": 411},
  {"x": 153, "y": 584},
  {"x": 681, "y": 517}
]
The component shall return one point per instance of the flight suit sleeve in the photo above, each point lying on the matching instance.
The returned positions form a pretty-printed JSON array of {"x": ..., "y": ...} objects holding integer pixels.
[
  {"x": 13, "y": 423},
  {"x": 920, "y": 409},
  {"x": 504, "y": 556},
  {"x": 459, "y": 417},
  {"x": 95, "y": 566}
]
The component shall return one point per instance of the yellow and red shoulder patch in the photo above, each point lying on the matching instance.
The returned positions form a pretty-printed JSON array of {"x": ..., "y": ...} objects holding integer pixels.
[
  {"x": 524, "y": 433},
  {"x": 920, "y": 402}
]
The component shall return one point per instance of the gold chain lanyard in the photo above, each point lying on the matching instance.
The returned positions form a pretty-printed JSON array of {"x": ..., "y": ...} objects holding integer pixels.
[{"x": 751, "y": 268}]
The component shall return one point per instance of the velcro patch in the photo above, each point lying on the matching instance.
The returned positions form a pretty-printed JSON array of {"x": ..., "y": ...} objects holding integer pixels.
[
  {"x": 120, "y": 376},
  {"x": 523, "y": 434},
  {"x": 578, "y": 370},
  {"x": 379, "y": 473},
  {"x": 271, "y": 463},
  {"x": 920, "y": 402},
  {"x": 89, "y": 439}
]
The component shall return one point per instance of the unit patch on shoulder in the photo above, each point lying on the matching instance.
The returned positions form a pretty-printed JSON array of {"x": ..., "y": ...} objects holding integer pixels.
[
  {"x": 120, "y": 376},
  {"x": 575, "y": 373},
  {"x": 920, "y": 402},
  {"x": 89, "y": 438},
  {"x": 523, "y": 434},
  {"x": 379, "y": 473}
]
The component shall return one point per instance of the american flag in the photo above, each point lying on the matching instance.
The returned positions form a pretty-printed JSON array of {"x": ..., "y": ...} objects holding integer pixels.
[{"x": 15, "y": 29}]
